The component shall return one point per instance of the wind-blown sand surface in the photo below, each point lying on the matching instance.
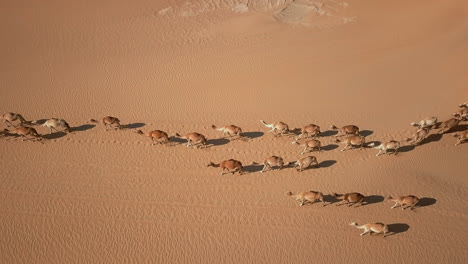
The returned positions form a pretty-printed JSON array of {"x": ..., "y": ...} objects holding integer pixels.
[{"x": 181, "y": 66}]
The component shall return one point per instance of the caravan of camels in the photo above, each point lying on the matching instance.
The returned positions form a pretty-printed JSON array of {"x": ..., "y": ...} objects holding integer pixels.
[{"x": 350, "y": 136}]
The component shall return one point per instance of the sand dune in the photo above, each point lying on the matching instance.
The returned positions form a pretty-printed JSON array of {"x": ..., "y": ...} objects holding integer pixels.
[{"x": 182, "y": 66}]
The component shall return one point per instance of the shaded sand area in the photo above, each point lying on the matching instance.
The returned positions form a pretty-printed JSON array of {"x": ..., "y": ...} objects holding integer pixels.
[{"x": 181, "y": 66}]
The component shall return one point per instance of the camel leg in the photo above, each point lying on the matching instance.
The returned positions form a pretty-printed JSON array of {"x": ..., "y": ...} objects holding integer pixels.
[
  {"x": 378, "y": 154},
  {"x": 304, "y": 151},
  {"x": 365, "y": 232},
  {"x": 394, "y": 205},
  {"x": 345, "y": 147},
  {"x": 265, "y": 166}
]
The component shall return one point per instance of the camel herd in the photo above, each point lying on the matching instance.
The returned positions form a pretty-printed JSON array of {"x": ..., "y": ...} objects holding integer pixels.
[{"x": 348, "y": 135}]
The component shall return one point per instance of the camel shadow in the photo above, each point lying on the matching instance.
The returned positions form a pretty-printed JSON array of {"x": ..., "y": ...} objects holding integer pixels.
[
  {"x": 328, "y": 133},
  {"x": 426, "y": 201},
  {"x": 82, "y": 128},
  {"x": 431, "y": 138},
  {"x": 252, "y": 168},
  {"x": 372, "y": 199},
  {"x": 330, "y": 199},
  {"x": 366, "y": 133},
  {"x": 54, "y": 135},
  {"x": 326, "y": 163},
  {"x": 330, "y": 147},
  {"x": 133, "y": 125},
  {"x": 217, "y": 142},
  {"x": 252, "y": 135},
  {"x": 406, "y": 148},
  {"x": 458, "y": 128},
  {"x": 177, "y": 140},
  {"x": 394, "y": 229}
]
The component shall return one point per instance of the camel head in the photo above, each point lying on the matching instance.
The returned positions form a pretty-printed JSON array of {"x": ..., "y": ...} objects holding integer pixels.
[
  {"x": 353, "y": 224},
  {"x": 333, "y": 127},
  {"x": 211, "y": 164}
]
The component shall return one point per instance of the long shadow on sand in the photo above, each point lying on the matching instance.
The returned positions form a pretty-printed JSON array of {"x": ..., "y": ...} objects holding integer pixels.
[
  {"x": 431, "y": 138},
  {"x": 133, "y": 125},
  {"x": 83, "y": 127},
  {"x": 328, "y": 133},
  {"x": 252, "y": 135},
  {"x": 326, "y": 163},
  {"x": 394, "y": 229},
  {"x": 406, "y": 148},
  {"x": 330, "y": 147},
  {"x": 426, "y": 201},
  {"x": 54, "y": 135},
  {"x": 458, "y": 128},
  {"x": 217, "y": 142},
  {"x": 252, "y": 168},
  {"x": 372, "y": 199},
  {"x": 366, "y": 133}
]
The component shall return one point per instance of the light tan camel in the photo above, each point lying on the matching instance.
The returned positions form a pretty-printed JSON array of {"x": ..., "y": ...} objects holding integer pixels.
[
  {"x": 24, "y": 132},
  {"x": 309, "y": 130},
  {"x": 278, "y": 128},
  {"x": 157, "y": 136},
  {"x": 310, "y": 145},
  {"x": 461, "y": 136},
  {"x": 232, "y": 166},
  {"x": 55, "y": 123},
  {"x": 9, "y": 118},
  {"x": 194, "y": 139},
  {"x": 271, "y": 162},
  {"x": 392, "y": 144},
  {"x": 111, "y": 122},
  {"x": 310, "y": 196},
  {"x": 303, "y": 163},
  {"x": 352, "y": 141},
  {"x": 374, "y": 227},
  {"x": 346, "y": 130},
  {"x": 419, "y": 136},
  {"x": 449, "y": 124},
  {"x": 428, "y": 122},
  {"x": 409, "y": 200},
  {"x": 463, "y": 112},
  {"x": 350, "y": 199},
  {"x": 230, "y": 130}
]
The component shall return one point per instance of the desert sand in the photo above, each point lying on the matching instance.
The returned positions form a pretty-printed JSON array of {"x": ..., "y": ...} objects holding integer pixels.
[{"x": 96, "y": 196}]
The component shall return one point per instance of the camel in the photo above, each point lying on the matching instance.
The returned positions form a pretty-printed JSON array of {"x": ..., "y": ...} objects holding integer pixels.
[
  {"x": 350, "y": 199},
  {"x": 392, "y": 144},
  {"x": 54, "y": 123},
  {"x": 9, "y": 118},
  {"x": 463, "y": 112},
  {"x": 271, "y": 162},
  {"x": 24, "y": 132},
  {"x": 303, "y": 163},
  {"x": 309, "y": 130},
  {"x": 352, "y": 141},
  {"x": 428, "y": 122},
  {"x": 232, "y": 166},
  {"x": 230, "y": 130},
  {"x": 419, "y": 136},
  {"x": 157, "y": 136},
  {"x": 346, "y": 130},
  {"x": 194, "y": 139},
  {"x": 401, "y": 201},
  {"x": 449, "y": 124},
  {"x": 311, "y": 144},
  {"x": 310, "y": 196},
  {"x": 369, "y": 228},
  {"x": 112, "y": 122},
  {"x": 461, "y": 136},
  {"x": 278, "y": 128}
]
